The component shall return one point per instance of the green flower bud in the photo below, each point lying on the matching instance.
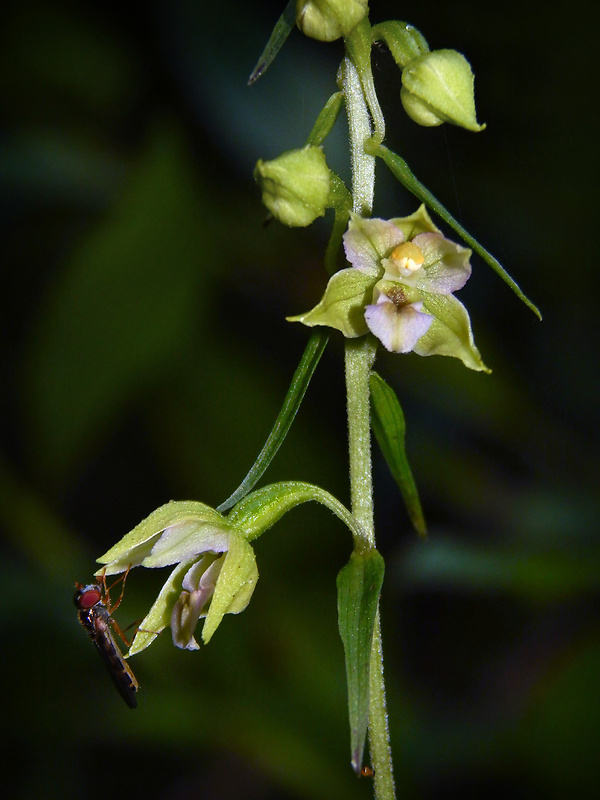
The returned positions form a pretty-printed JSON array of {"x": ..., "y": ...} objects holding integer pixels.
[
  {"x": 295, "y": 186},
  {"x": 438, "y": 87},
  {"x": 327, "y": 20}
]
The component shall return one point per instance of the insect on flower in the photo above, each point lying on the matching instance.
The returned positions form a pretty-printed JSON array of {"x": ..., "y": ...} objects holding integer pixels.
[{"x": 94, "y": 611}]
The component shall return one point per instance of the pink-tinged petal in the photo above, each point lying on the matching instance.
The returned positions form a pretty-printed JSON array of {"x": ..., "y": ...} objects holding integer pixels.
[
  {"x": 198, "y": 587},
  {"x": 398, "y": 329},
  {"x": 446, "y": 268},
  {"x": 367, "y": 241}
]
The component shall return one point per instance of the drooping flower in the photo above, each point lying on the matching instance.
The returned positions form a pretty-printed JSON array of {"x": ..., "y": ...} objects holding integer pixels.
[
  {"x": 215, "y": 572},
  {"x": 214, "y": 568},
  {"x": 400, "y": 288}
]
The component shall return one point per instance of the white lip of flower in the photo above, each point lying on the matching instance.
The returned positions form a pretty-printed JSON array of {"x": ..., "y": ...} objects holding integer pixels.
[
  {"x": 396, "y": 323},
  {"x": 198, "y": 587}
]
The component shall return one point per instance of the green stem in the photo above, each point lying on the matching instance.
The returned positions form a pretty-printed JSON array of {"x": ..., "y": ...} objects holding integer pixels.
[
  {"x": 360, "y": 354},
  {"x": 379, "y": 732},
  {"x": 359, "y": 125}
]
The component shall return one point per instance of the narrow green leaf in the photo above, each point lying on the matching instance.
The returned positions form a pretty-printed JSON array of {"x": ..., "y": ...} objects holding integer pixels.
[
  {"x": 304, "y": 372},
  {"x": 326, "y": 119},
  {"x": 281, "y": 31},
  {"x": 402, "y": 172},
  {"x": 338, "y": 229},
  {"x": 341, "y": 201},
  {"x": 358, "y": 585},
  {"x": 389, "y": 428}
]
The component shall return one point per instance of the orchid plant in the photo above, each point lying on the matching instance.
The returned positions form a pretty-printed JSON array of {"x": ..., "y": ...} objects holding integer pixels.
[{"x": 397, "y": 289}]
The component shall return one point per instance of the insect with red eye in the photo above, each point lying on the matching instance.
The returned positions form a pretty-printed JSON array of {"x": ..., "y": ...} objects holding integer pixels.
[{"x": 95, "y": 610}]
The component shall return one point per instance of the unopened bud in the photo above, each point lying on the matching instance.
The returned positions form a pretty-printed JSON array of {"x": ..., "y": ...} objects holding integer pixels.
[
  {"x": 327, "y": 20},
  {"x": 295, "y": 185},
  {"x": 438, "y": 87}
]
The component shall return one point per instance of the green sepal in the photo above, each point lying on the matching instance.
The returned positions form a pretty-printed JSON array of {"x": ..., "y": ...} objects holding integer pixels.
[
  {"x": 416, "y": 223},
  {"x": 358, "y": 588},
  {"x": 404, "y": 41},
  {"x": 326, "y": 119},
  {"x": 343, "y": 304},
  {"x": 450, "y": 332},
  {"x": 258, "y": 511},
  {"x": 280, "y": 32},
  {"x": 400, "y": 169},
  {"x": 389, "y": 428},
  {"x": 235, "y": 585},
  {"x": 159, "y": 616},
  {"x": 189, "y": 517}
]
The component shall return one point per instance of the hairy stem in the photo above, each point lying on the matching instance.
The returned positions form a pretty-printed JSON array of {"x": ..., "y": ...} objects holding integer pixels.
[
  {"x": 360, "y": 354},
  {"x": 359, "y": 357}
]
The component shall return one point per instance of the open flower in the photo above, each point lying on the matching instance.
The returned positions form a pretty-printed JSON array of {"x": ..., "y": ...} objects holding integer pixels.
[
  {"x": 427, "y": 264},
  {"x": 400, "y": 288},
  {"x": 215, "y": 572}
]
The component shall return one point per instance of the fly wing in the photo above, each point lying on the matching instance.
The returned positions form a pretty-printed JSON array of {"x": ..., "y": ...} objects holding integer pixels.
[{"x": 116, "y": 666}]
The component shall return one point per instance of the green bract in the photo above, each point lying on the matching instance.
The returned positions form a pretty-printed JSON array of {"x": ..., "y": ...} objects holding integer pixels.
[
  {"x": 328, "y": 20},
  {"x": 400, "y": 287},
  {"x": 438, "y": 87},
  {"x": 404, "y": 41},
  {"x": 295, "y": 186}
]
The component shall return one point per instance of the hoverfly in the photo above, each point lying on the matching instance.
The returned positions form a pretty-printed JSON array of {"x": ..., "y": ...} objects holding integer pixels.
[{"x": 94, "y": 610}]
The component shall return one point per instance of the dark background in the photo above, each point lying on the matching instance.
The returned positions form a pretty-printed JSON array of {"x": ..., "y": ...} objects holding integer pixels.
[{"x": 145, "y": 355}]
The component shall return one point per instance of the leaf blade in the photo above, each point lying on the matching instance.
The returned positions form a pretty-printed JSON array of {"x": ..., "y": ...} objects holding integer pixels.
[
  {"x": 359, "y": 585},
  {"x": 389, "y": 429},
  {"x": 280, "y": 32},
  {"x": 300, "y": 381},
  {"x": 403, "y": 173}
]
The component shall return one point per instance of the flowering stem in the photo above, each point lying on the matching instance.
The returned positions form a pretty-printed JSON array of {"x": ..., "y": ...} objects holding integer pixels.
[
  {"x": 360, "y": 354},
  {"x": 359, "y": 125}
]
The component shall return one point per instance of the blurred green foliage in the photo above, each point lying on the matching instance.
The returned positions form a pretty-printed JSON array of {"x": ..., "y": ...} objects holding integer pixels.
[{"x": 144, "y": 357}]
